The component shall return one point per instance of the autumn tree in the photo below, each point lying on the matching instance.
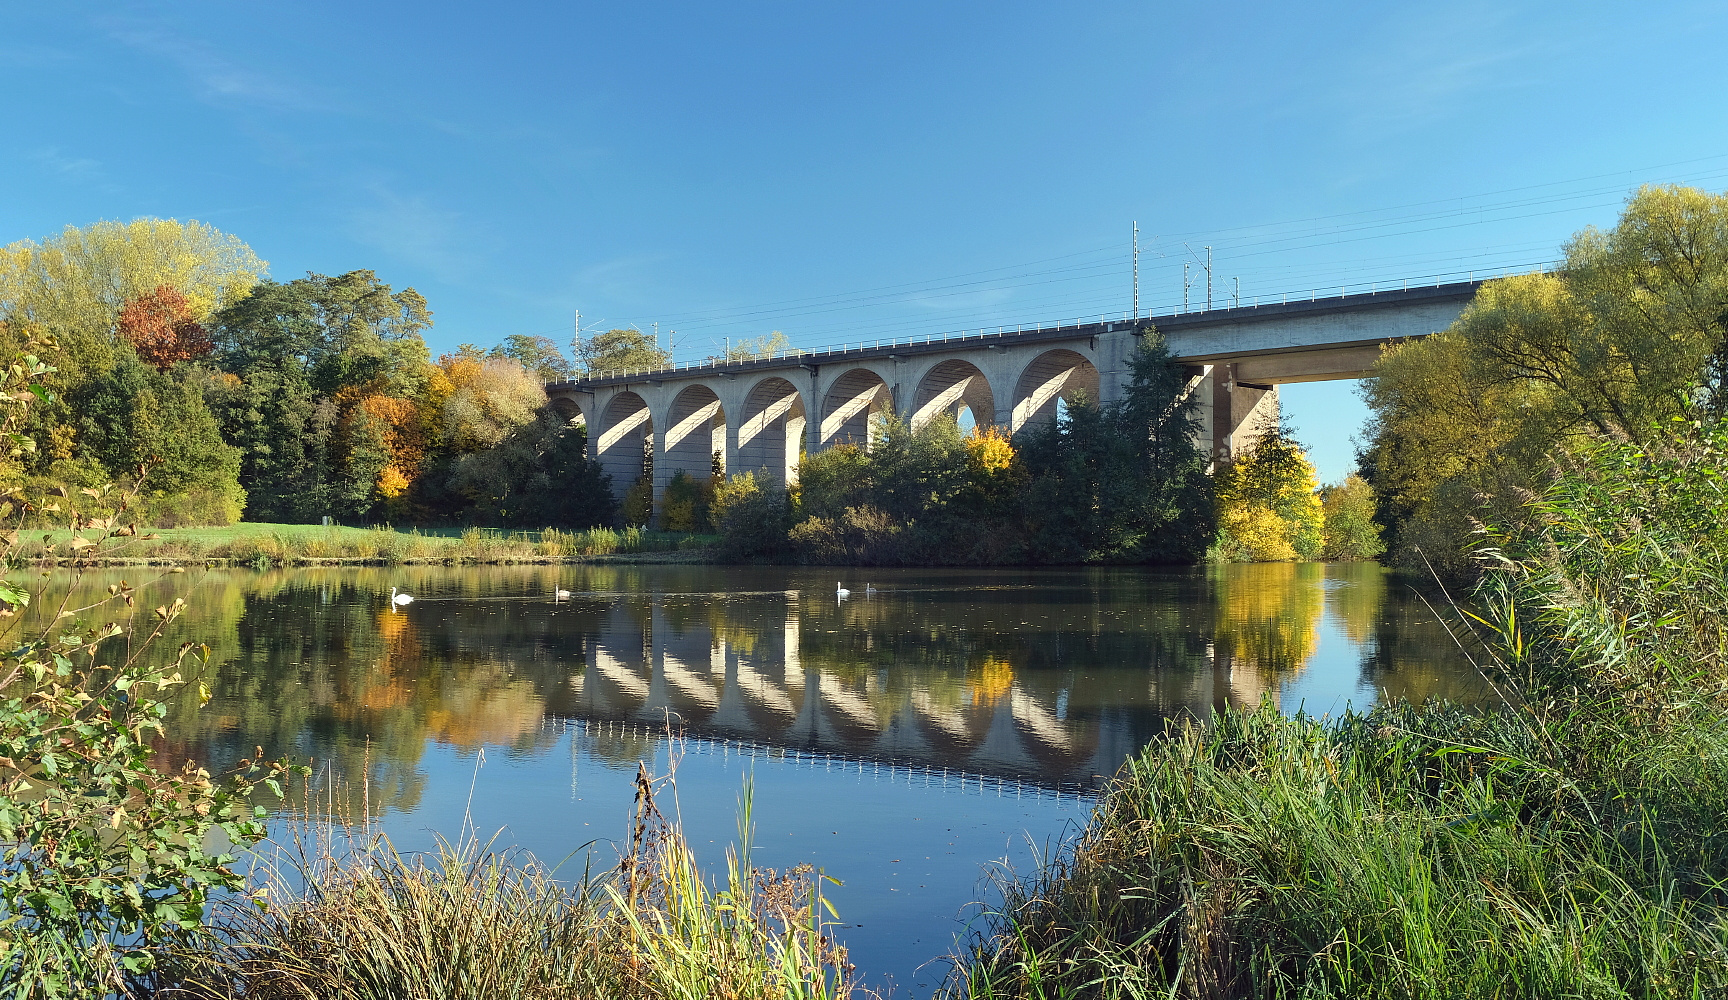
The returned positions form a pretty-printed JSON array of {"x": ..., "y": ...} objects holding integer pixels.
[
  {"x": 1268, "y": 508},
  {"x": 83, "y": 277},
  {"x": 537, "y": 354},
  {"x": 161, "y": 330}
]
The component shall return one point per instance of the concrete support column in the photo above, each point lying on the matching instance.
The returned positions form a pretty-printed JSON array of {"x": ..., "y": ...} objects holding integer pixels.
[
  {"x": 813, "y": 414},
  {"x": 662, "y": 467}
]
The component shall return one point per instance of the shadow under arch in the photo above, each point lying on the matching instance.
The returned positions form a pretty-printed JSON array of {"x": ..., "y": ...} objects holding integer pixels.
[
  {"x": 853, "y": 402},
  {"x": 771, "y": 428},
  {"x": 695, "y": 431},
  {"x": 950, "y": 386},
  {"x": 625, "y": 438},
  {"x": 1055, "y": 375}
]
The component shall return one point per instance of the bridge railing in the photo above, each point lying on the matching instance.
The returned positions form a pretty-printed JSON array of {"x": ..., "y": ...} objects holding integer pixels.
[{"x": 848, "y": 347}]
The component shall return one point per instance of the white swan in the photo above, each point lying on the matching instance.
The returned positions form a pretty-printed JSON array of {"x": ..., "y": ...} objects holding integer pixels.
[
  {"x": 560, "y": 595},
  {"x": 400, "y": 599},
  {"x": 868, "y": 590},
  {"x": 840, "y": 591}
]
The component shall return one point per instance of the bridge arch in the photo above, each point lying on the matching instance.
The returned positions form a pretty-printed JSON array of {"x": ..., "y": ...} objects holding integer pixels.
[
  {"x": 950, "y": 385},
  {"x": 771, "y": 429},
  {"x": 1060, "y": 374},
  {"x": 853, "y": 402},
  {"x": 625, "y": 443},
  {"x": 695, "y": 430}
]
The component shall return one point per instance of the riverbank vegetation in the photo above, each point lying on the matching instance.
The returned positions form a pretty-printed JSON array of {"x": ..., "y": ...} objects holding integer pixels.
[
  {"x": 1565, "y": 844},
  {"x": 266, "y": 545},
  {"x": 347, "y": 916},
  {"x": 1624, "y": 336}
]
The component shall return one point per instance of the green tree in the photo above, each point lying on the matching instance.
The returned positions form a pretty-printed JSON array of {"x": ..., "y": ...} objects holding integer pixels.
[
  {"x": 537, "y": 354},
  {"x": 620, "y": 351},
  {"x": 539, "y": 476},
  {"x": 137, "y": 418},
  {"x": 1622, "y": 337},
  {"x": 1123, "y": 481},
  {"x": 305, "y": 356},
  {"x": 1348, "y": 511}
]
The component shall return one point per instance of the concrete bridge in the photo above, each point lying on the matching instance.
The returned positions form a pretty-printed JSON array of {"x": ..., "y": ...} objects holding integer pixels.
[{"x": 760, "y": 414}]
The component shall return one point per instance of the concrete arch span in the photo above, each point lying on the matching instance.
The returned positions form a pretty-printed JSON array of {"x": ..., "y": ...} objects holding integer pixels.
[
  {"x": 1054, "y": 375},
  {"x": 771, "y": 429},
  {"x": 855, "y": 399},
  {"x": 950, "y": 385},
  {"x": 625, "y": 440},
  {"x": 695, "y": 431}
]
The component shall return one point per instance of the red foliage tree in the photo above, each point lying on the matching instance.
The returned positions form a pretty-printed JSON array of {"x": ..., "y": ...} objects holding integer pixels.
[{"x": 161, "y": 329}]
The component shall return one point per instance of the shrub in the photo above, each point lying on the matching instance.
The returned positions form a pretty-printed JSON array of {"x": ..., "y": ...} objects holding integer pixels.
[{"x": 750, "y": 512}]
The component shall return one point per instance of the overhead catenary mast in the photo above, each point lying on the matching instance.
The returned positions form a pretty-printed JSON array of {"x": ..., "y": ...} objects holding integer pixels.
[{"x": 1136, "y": 270}]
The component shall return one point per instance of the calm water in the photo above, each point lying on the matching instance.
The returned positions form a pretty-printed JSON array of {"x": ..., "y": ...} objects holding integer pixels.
[{"x": 902, "y": 740}]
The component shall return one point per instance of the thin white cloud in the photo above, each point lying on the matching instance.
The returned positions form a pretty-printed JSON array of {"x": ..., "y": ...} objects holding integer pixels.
[
  {"x": 417, "y": 232},
  {"x": 217, "y": 78},
  {"x": 81, "y": 170}
]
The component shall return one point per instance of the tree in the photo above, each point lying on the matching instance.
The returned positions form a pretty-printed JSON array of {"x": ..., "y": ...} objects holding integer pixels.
[
  {"x": 1348, "y": 512},
  {"x": 1122, "y": 482},
  {"x": 82, "y": 278},
  {"x": 137, "y": 417},
  {"x": 537, "y": 354},
  {"x": 477, "y": 402},
  {"x": 620, "y": 351},
  {"x": 538, "y": 476},
  {"x": 1268, "y": 510},
  {"x": 161, "y": 330},
  {"x": 328, "y": 406},
  {"x": 769, "y": 345},
  {"x": 1619, "y": 340}
]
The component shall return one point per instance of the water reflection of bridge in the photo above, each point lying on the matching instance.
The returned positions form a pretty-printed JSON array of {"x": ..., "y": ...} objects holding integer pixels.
[
  {"x": 767, "y": 682},
  {"x": 591, "y": 736}
]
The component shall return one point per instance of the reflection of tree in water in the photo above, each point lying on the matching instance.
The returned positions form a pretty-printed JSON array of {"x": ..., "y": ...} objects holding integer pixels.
[
  {"x": 1414, "y": 656},
  {"x": 1043, "y": 674},
  {"x": 1268, "y": 614},
  {"x": 1355, "y": 593}
]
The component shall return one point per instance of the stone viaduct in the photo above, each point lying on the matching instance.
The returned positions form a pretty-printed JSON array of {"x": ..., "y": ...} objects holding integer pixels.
[{"x": 761, "y": 414}]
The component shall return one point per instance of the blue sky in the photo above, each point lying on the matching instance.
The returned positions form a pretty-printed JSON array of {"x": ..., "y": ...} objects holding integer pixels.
[{"x": 842, "y": 172}]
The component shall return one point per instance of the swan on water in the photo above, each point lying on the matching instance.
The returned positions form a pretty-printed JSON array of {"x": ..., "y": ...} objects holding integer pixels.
[
  {"x": 840, "y": 590},
  {"x": 560, "y": 595},
  {"x": 869, "y": 589},
  {"x": 400, "y": 599}
]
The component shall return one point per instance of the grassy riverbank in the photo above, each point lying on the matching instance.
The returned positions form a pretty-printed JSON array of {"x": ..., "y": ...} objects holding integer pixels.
[
  {"x": 252, "y": 544},
  {"x": 1569, "y": 844},
  {"x": 346, "y": 916}
]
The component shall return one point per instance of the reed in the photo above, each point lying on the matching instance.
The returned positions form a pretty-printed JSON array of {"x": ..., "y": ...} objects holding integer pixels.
[
  {"x": 1567, "y": 843},
  {"x": 340, "y": 914}
]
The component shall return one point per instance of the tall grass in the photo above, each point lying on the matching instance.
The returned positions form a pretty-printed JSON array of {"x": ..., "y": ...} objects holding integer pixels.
[
  {"x": 1570, "y": 843},
  {"x": 350, "y": 917}
]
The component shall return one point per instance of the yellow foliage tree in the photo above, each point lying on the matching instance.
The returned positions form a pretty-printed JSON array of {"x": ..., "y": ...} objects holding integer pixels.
[
  {"x": 473, "y": 401},
  {"x": 1268, "y": 508},
  {"x": 82, "y": 278}
]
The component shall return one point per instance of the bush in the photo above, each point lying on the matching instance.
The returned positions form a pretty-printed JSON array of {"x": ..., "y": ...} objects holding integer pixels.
[
  {"x": 102, "y": 852},
  {"x": 750, "y": 511}
]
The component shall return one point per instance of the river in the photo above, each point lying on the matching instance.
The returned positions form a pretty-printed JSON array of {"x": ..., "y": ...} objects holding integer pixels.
[{"x": 934, "y": 724}]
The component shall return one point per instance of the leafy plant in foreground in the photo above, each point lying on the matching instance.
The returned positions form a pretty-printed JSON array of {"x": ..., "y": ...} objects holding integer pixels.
[{"x": 103, "y": 855}]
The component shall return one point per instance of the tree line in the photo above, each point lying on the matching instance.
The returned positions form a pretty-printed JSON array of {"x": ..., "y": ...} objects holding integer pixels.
[{"x": 235, "y": 396}]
